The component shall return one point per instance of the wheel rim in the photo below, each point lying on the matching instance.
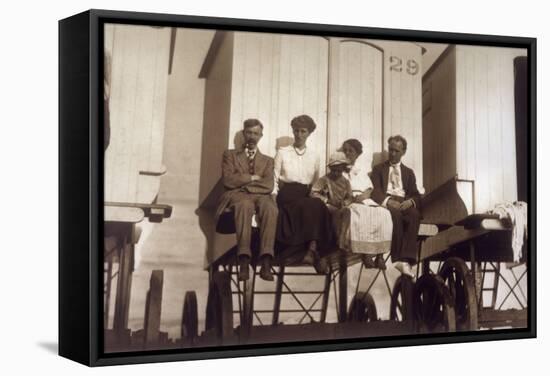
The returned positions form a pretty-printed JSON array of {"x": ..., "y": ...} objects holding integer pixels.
[
  {"x": 458, "y": 279},
  {"x": 434, "y": 307},
  {"x": 401, "y": 306},
  {"x": 362, "y": 308}
]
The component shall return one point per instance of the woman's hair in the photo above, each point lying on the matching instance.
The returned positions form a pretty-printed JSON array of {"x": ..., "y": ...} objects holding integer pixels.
[
  {"x": 303, "y": 121},
  {"x": 354, "y": 143}
]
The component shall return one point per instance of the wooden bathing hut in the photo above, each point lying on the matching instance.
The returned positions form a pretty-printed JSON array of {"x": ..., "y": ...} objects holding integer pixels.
[
  {"x": 352, "y": 88},
  {"x": 136, "y": 72}
]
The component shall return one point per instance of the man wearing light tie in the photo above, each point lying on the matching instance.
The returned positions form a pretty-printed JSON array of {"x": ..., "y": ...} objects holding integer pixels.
[{"x": 394, "y": 187}]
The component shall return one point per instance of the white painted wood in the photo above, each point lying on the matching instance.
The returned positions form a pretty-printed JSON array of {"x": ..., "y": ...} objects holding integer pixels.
[
  {"x": 275, "y": 78},
  {"x": 480, "y": 86},
  {"x": 488, "y": 89},
  {"x": 122, "y": 214},
  {"x": 139, "y": 58},
  {"x": 402, "y": 99},
  {"x": 357, "y": 80}
]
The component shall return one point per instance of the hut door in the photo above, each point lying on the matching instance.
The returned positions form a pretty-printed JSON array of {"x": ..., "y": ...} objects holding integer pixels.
[{"x": 355, "y": 97}]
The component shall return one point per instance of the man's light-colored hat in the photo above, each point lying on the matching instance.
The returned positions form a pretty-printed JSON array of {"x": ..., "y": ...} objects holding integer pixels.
[{"x": 338, "y": 158}]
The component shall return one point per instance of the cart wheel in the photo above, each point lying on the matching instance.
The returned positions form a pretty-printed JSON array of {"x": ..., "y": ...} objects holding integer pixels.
[
  {"x": 219, "y": 309},
  {"x": 459, "y": 280},
  {"x": 190, "y": 319},
  {"x": 434, "y": 307},
  {"x": 401, "y": 306},
  {"x": 362, "y": 308}
]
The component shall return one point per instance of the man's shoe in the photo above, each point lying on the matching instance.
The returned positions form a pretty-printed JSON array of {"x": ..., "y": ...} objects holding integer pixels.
[
  {"x": 379, "y": 262},
  {"x": 244, "y": 266},
  {"x": 368, "y": 263},
  {"x": 405, "y": 268},
  {"x": 265, "y": 270}
]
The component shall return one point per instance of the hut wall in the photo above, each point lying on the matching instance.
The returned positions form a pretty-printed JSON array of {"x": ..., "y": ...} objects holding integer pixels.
[
  {"x": 486, "y": 137},
  {"x": 361, "y": 89},
  {"x": 217, "y": 105},
  {"x": 275, "y": 78},
  {"x": 439, "y": 122},
  {"x": 355, "y": 100},
  {"x": 469, "y": 124},
  {"x": 403, "y": 100},
  {"x": 138, "y": 69}
]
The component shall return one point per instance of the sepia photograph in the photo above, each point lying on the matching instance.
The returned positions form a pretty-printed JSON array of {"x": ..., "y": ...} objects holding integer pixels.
[{"x": 265, "y": 188}]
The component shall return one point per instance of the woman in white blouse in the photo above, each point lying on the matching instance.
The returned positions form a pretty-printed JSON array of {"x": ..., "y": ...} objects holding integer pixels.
[
  {"x": 370, "y": 227},
  {"x": 303, "y": 220}
]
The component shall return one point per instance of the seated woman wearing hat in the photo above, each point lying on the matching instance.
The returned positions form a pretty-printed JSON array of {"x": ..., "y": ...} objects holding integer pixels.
[{"x": 303, "y": 220}]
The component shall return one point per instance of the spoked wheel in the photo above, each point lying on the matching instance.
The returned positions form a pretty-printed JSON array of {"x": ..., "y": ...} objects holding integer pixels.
[
  {"x": 460, "y": 282},
  {"x": 434, "y": 307},
  {"x": 219, "y": 309},
  {"x": 362, "y": 308},
  {"x": 190, "y": 319},
  {"x": 401, "y": 306}
]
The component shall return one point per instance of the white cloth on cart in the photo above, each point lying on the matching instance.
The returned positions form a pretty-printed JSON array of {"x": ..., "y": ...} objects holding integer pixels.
[
  {"x": 516, "y": 213},
  {"x": 371, "y": 225},
  {"x": 370, "y": 228}
]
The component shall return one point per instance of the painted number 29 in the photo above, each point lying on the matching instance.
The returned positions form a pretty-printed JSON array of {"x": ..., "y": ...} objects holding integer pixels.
[{"x": 396, "y": 64}]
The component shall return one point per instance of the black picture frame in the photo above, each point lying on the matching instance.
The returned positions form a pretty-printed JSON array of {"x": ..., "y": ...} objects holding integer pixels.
[{"x": 81, "y": 181}]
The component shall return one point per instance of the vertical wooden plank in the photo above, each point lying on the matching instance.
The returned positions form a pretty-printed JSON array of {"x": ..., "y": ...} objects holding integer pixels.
[
  {"x": 297, "y": 72},
  {"x": 322, "y": 91},
  {"x": 470, "y": 114},
  {"x": 508, "y": 126},
  {"x": 333, "y": 92},
  {"x": 284, "y": 88},
  {"x": 138, "y": 105},
  {"x": 162, "y": 57},
  {"x": 416, "y": 116},
  {"x": 481, "y": 131},
  {"x": 309, "y": 91},
  {"x": 461, "y": 115},
  {"x": 150, "y": 145},
  {"x": 378, "y": 109},
  {"x": 237, "y": 92},
  {"x": 494, "y": 125},
  {"x": 252, "y": 69},
  {"x": 123, "y": 92},
  {"x": 123, "y": 288},
  {"x": 274, "y": 128},
  {"x": 153, "y": 308},
  {"x": 359, "y": 96},
  {"x": 265, "y": 85}
]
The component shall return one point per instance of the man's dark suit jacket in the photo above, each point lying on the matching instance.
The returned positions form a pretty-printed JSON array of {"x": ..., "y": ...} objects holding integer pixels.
[
  {"x": 236, "y": 178},
  {"x": 379, "y": 177}
]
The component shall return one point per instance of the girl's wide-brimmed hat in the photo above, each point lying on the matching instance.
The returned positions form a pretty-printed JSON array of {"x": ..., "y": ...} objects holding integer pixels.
[{"x": 338, "y": 158}]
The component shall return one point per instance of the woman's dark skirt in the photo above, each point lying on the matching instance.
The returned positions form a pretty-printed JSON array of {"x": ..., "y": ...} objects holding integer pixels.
[{"x": 302, "y": 218}]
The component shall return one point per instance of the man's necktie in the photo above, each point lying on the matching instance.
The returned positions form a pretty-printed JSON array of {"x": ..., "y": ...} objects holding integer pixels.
[
  {"x": 394, "y": 177},
  {"x": 250, "y": 154}
]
